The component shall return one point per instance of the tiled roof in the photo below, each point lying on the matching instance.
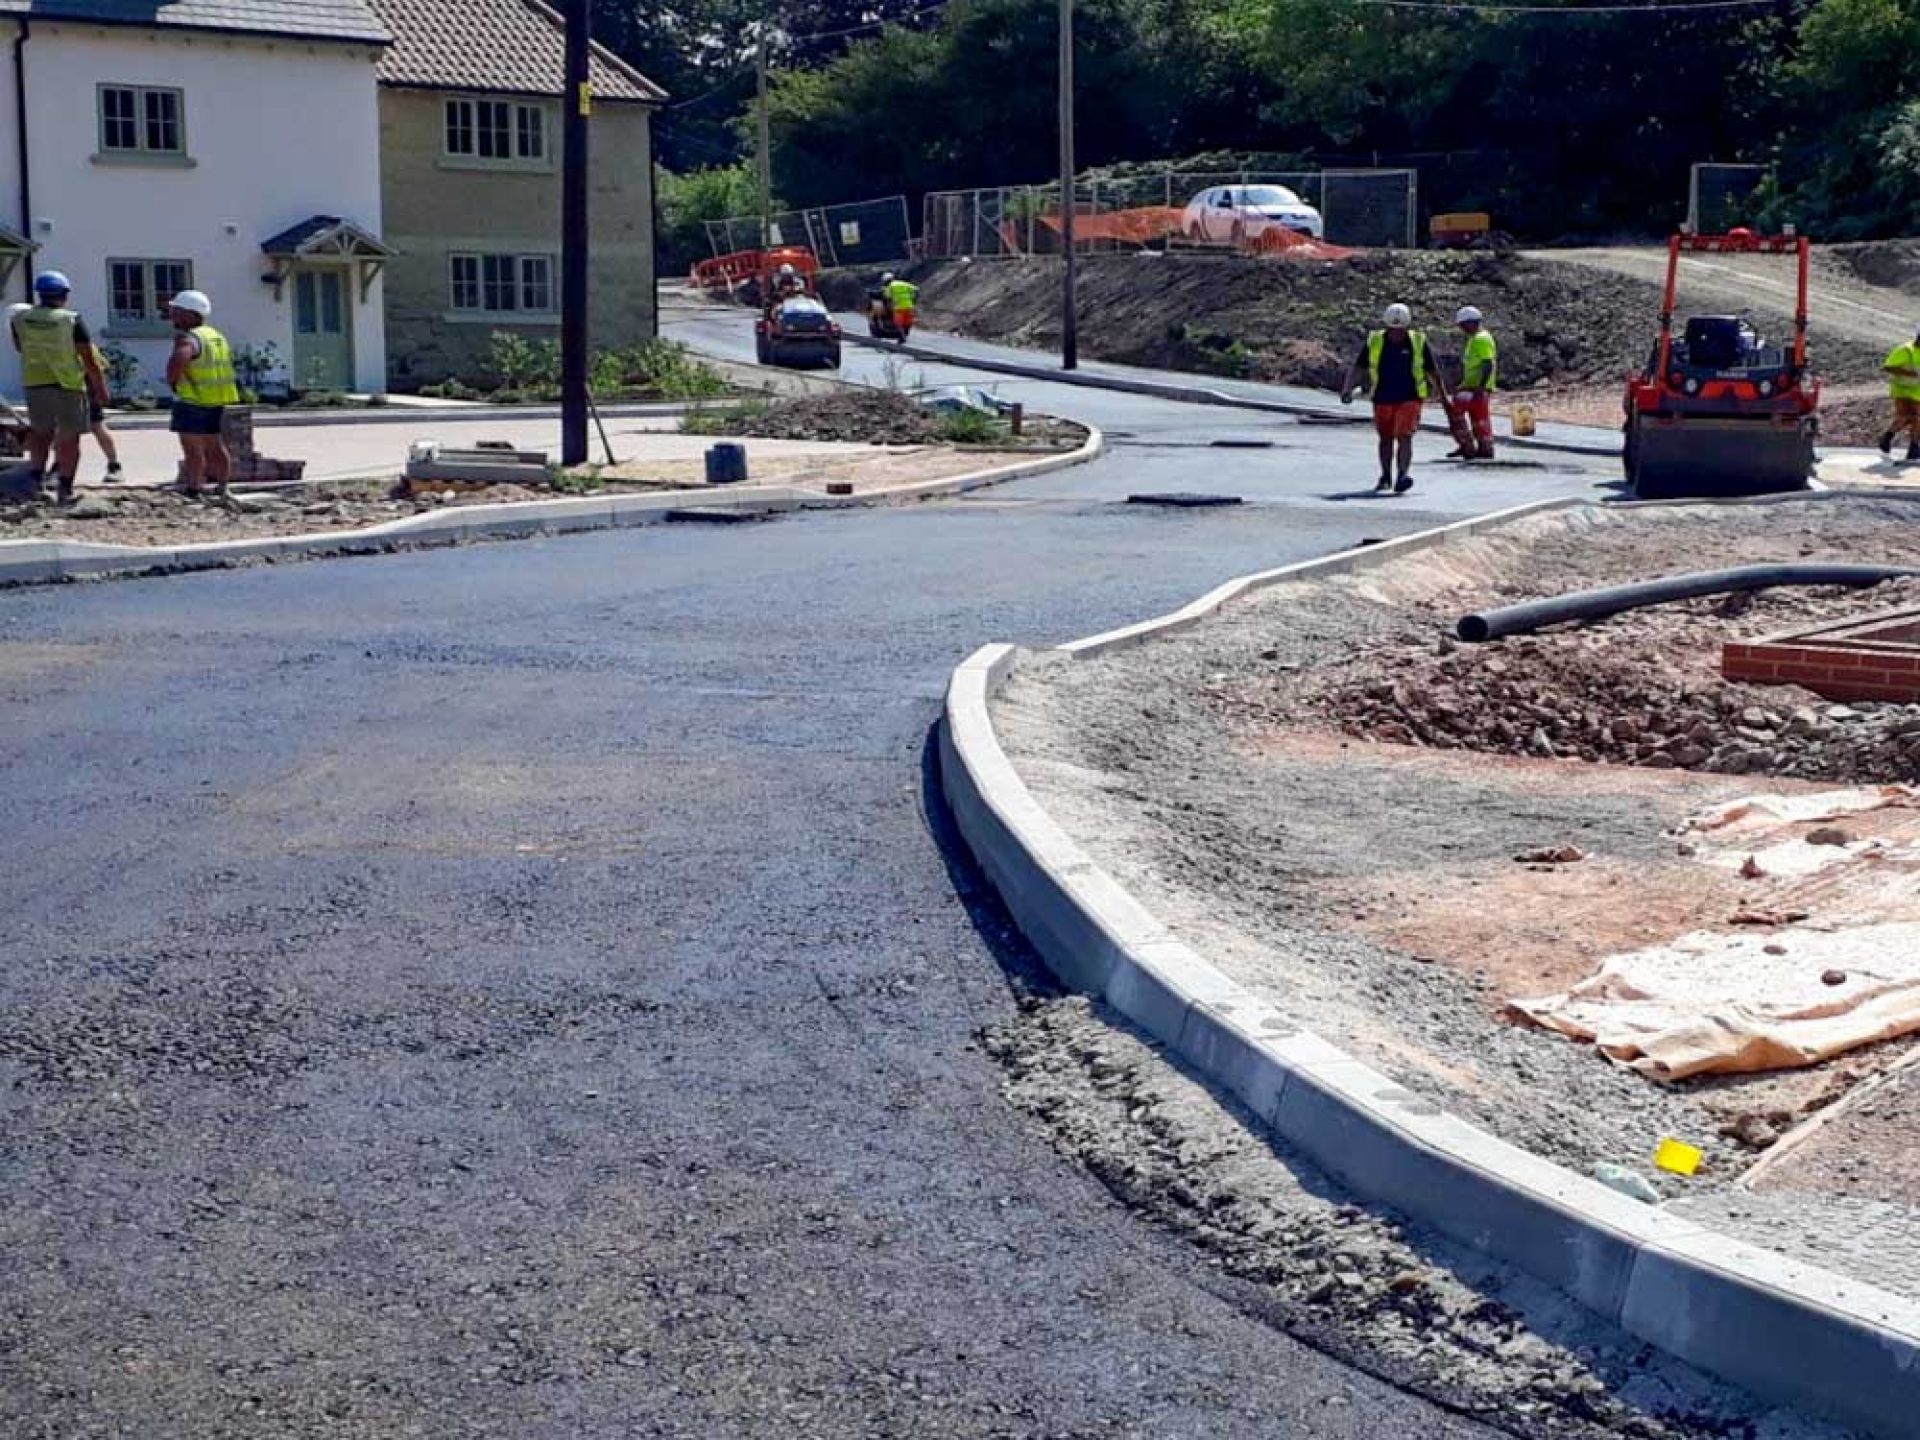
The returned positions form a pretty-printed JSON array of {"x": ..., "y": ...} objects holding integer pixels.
[
  {"x": 513, "y": 47},
  {"x": 309, "y": 19}
]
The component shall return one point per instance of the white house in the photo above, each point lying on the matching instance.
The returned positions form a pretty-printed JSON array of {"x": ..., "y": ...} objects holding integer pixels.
[{"x": 231, "y": 146}]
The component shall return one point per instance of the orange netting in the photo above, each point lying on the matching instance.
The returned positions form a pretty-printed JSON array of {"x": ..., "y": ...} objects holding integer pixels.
[{"x": 1156, "y": 222}]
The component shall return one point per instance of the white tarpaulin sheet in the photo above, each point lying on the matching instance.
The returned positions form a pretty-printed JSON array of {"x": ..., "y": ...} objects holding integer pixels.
[
  {"x": 1845, "y": 974},
  {"x": 1716, "y": 1002}
]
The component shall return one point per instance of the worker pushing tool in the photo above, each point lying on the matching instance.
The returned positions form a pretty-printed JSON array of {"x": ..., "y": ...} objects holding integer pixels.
[
  {"x": 1903, "y": 386},
  {"x": 1479, "y": 371},
  {"x": 1399, "y": 371}
]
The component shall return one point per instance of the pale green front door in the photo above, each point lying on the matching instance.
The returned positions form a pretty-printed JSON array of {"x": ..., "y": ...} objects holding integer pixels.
[{"x": 322, "y": 330}]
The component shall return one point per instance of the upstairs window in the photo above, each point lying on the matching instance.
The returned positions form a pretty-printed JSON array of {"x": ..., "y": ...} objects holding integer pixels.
[
  {"x": 503, "y": 284},
  {"x": 140, "y": 120},
  {"x": 507, "y": 131}
]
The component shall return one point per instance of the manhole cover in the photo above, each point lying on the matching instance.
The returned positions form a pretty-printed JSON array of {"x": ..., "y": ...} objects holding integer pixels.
[{"x": 1184, "y": 499}]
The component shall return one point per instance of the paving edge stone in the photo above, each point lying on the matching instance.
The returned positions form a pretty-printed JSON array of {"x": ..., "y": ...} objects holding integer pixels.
[
  {"x": 41, "y": 561},
  {"x": 1788, "y": 1331}
]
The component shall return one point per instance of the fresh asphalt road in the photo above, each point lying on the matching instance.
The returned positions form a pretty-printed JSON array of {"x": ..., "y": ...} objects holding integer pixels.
[{"x": 524, "y": 991}]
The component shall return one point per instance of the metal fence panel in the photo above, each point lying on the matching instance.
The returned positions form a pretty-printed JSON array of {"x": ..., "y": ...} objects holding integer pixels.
[
  {"x": 1361, "y": 208},
  {"x": 862, "y": 232}
]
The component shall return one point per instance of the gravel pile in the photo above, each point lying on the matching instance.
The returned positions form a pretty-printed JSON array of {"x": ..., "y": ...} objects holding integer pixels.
[
  {"x": 1639, "y": 689},
  {"x": 882, "y": 417}
]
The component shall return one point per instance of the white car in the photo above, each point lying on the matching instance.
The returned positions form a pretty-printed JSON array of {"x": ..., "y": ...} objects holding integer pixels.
[{"x": 1233, "y": 213}]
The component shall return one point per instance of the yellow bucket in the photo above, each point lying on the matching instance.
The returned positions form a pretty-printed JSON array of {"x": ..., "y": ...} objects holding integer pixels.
[
  {"x": 1523, "y": 419},
  {"x": 1676, "y": 1156}
]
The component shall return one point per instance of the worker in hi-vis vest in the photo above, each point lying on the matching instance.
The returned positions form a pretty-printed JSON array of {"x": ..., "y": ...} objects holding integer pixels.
[
  {"x": 1399, "y": 371},
  {"x": 59, "y": 372},
  {"x": 1903, "y": 387},
  {"x": 1479, "y": 373},
  {"x": 200, "y": 370}
]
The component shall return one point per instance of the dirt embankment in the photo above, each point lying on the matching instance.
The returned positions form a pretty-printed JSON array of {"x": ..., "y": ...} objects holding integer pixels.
[{"x": 1568, "y": 332}]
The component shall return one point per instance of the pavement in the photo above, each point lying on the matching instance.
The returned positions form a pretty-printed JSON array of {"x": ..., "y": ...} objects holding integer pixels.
[
  {"x": 352, "y": 449},
  {"x": 531, "y": 989}
]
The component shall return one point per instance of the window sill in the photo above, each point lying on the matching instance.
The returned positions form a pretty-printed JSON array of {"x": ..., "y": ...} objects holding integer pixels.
[
  {"x": 145, "y": 159},
  {"x": 138, "y": 330},
  {"x": 495, "y": 167},
  {"x": 502, "y": 317}
]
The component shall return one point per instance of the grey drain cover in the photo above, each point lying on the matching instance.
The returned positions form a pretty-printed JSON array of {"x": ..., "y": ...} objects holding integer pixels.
[
  {"x": 1186, "y": 499},
  {"x": 698, "y": 515}
]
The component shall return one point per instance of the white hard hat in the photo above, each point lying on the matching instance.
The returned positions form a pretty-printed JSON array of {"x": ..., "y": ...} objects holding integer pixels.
[
  {"x": 1398, "y": 315},
  {"x": 194, "y": 300},
  {"x": 886, "y": 277},
  {"x": 1468, "y": 316},
  {"x": 786, "y": 269}
]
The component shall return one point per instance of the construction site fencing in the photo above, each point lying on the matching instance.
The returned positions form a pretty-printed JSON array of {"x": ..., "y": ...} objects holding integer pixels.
[
  {"x": 1721, "y": 197},
  {"x": 863, "y": 232},
  {"x": 1358, "y": 208}
]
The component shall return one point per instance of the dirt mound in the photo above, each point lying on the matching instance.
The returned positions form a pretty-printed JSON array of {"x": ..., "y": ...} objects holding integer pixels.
[
  {"x": 1558, "y": 324},
  {"x": 879, "y": 417},
  {"x": 1894, "y": 264},
  {"x": 1640, "y": 689}
]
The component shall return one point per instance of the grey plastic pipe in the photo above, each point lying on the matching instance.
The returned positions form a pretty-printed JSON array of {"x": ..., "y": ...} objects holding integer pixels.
[{"x": 1533, "y": 615}]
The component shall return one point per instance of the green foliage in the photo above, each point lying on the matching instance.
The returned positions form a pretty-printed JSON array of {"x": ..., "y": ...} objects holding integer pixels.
[
  {"x": 521, "y": 363},
  {"x": 582, "y": 480},
  {"x": 971, "y": 427},
  {"x": 449, "y": 389},
  {"x": 121, "y": 369},
  {"x": 722, "y": 419},
  {"x": 688, "y": 201}
]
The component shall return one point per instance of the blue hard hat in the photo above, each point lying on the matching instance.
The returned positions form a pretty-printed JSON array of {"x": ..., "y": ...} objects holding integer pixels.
[{"x": 51, "y": 282}]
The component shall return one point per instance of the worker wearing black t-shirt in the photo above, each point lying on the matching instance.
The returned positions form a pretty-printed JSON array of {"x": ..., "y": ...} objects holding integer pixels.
[{"x": 1398, "y": 368}]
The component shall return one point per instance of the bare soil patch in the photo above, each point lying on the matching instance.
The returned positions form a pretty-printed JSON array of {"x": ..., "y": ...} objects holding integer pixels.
[{"x": 1396, "y": 888}]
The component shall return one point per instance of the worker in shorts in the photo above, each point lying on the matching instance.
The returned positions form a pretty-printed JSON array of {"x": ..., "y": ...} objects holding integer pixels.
[
  {"x": 1400, "y": 372},
  {"x": 1479, "y": 373},
  {"x": 903, "y": 299},
  {"x": 1903, "y": 388},
  {"x": 58, "y": 371},
  {"x": 97, "y": 427},
  {"x": 200, "y": 370}
]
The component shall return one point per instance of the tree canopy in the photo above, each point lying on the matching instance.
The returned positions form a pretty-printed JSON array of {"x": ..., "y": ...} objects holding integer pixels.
[{"x": 1561, "y": 123}]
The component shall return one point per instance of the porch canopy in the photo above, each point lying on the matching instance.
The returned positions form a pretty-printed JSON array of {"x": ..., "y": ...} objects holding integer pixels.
[{"x": 322, "y": 240}]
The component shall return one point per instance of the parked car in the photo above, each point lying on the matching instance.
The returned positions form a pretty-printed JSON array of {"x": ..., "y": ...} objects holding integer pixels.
[{"x": 1234, "y": 213}]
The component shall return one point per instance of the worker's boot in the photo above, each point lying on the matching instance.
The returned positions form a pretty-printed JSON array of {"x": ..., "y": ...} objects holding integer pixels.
[
  {"x": 1886, "y": 443},
  {"x": 1485, "y": 450},
  {"x": 1913, "y": 452},
  {"x": 63, "y": 493}
]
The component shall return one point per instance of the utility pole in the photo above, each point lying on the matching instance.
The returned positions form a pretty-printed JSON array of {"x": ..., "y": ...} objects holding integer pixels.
[
  {"x": 1069, "y": 321},
  {"x": 766, "y": 144},
  {"x": 576, "y": 107}
]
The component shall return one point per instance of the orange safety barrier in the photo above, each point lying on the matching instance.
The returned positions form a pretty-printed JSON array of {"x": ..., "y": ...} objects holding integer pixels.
[
  {"x": 1156, "y": 222},
  {"x": 723, "y": 272}
]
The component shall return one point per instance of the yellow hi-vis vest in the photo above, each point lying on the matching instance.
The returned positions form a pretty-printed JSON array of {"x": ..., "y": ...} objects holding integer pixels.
[
  {"x": 1377, "y": 342},
  {"x": 47, "y": 353},
  {"x": 209, "y": 377},
  {"x": 1480, "y": 362},
  {"x": 901, "y": 294},
  {"x": 1904, "y": 387}
]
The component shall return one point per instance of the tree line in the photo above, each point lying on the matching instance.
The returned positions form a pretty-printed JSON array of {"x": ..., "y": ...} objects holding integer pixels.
[{"x": 1562, "y": 124}]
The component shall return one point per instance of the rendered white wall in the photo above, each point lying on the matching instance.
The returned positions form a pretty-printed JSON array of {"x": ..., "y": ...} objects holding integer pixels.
[{"x": 278, "y": 131}]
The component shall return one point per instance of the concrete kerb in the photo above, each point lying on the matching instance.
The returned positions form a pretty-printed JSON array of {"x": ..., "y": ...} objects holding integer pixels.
[
  {"x": 1187, "y": 394},
  {"x": 28, "y": 562},
  {"x": 1788, "y": 1331}
]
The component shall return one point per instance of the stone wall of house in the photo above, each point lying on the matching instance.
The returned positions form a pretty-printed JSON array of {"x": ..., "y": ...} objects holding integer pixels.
[{"x": 436, "y": 206}]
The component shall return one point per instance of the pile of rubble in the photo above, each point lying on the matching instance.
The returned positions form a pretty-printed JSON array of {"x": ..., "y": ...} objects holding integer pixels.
[
  {"x": 879, "y": 417},
  {"x": 1642, "y": 689}
]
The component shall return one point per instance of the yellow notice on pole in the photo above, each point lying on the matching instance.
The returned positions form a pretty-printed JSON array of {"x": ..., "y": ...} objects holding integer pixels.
[{"x": 586, "y": 97}]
